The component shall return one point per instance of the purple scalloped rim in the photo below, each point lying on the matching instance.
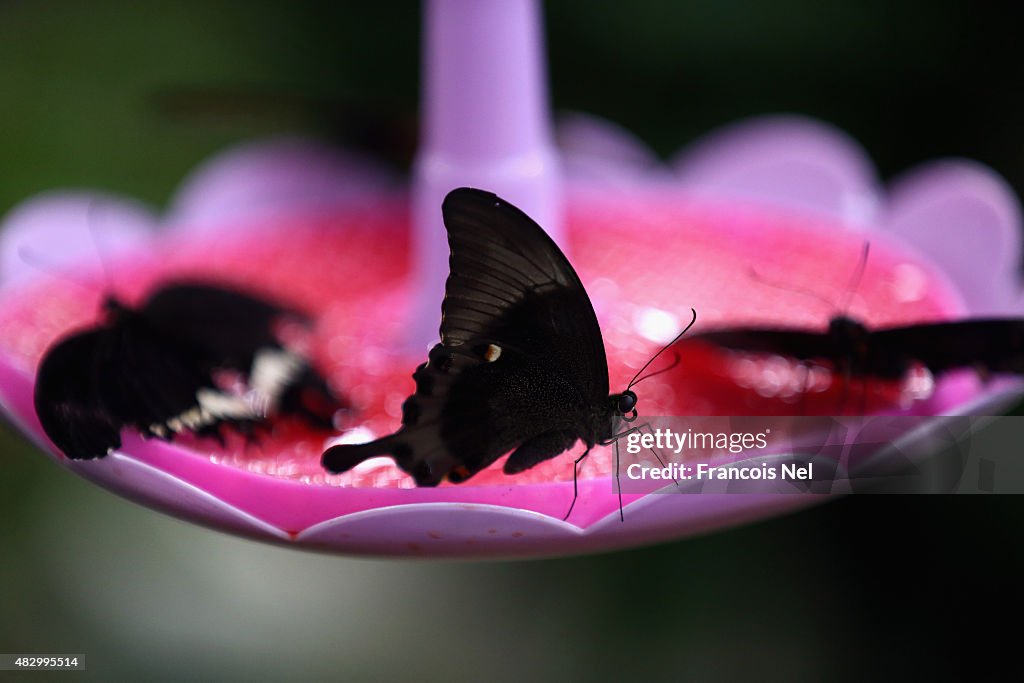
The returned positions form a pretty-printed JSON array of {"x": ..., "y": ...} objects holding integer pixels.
[{"x": 793, "y": 164}]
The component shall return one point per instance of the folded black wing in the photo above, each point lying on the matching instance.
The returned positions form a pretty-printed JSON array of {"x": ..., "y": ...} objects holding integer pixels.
[
  {"x": 798, "y": 344},
  {"x": 154, "y": 369},
  {"x": 67, "y": 401},
  {"x": 510, "y": 283},
  {"x": 230, "y": 329},
  {"x": 229, "y": 325},
  {"x": 521, "y": 354},
  {"x": 992, "y": 345}
]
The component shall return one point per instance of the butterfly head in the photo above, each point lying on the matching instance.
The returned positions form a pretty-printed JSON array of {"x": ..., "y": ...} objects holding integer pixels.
[
  {"x": 624, "y": 405},
  {"x": 113, "y": 308},
  {"x": 847, "y": 328}
]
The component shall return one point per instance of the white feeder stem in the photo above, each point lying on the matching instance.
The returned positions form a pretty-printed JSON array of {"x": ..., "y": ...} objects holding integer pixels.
[{"x": 486, "y": 123}]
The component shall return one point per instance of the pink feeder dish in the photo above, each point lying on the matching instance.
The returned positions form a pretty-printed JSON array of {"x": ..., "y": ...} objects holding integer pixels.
[{"x": 790, "y": 198}]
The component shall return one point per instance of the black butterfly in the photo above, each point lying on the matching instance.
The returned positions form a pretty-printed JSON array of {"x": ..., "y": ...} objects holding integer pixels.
[
  {"x": 991, "y": 346},
  {"x": 521, "y": 364},
  {"x": 155, "y": 368}
]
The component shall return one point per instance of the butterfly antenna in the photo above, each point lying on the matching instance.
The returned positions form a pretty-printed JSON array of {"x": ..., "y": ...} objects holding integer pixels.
[
  {"x": 856, "y": 278},
  {"x": 34, "y": 260},
  {"x": 675, "y": 361},
  {"x": 90, "y": 214},
  {"x": 760, "y": 279},
  {"x": 662, "y": 350}
]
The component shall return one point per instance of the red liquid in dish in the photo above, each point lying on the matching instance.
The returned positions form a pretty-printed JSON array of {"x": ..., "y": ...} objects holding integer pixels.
[{"x": 644, "y": 264}]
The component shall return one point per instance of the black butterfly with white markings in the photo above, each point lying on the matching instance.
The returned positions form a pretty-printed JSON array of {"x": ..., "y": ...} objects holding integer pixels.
[
  {"x": 157, "y": 368},
  {"x": 521, "y": 364}
]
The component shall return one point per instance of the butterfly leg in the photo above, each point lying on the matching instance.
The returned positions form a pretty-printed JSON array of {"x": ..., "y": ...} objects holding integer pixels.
[
  {"x": 614, "y": 439},
  {"x": 618, "y": 483},
  {"x": 849, "y": 397},
  {"x": 309, "y": 397},
  {"x": 538, "y": 449},
  {"x": 864, "y": 395},
  {"x": 250, "y": 431},
  {"x": 544, "y": 447},
  {"x": 575, "y": 482},
  {"x": 805, "y": 366},
  {"x": 844, "y": 395},
  {"x": 655, "y": 453},
  {"x": 216, "y": 434}
]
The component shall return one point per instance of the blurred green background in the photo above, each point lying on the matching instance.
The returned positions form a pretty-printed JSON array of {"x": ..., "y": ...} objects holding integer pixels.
[{"x": 129, "y": 96}]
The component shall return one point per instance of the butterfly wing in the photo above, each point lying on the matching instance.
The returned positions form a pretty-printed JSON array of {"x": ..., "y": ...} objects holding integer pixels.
[
  {"x": 67, "y": 401},
  {"x": 991, "y": 345},
  {"x": 228, "y": 329},
  {"x": 154, "y": 369},
  {"x": 229, "y": 325},
  {"x": 93, "y": 383},
  {"x": 510, "y": 282},
  {"x": 799, "y": 344},
  {"x": 521, "y": 361},
  {"x": 161, "y": 386}
]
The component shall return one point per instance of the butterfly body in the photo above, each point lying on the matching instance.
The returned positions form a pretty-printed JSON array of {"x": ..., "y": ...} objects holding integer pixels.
[
  {"x": 157, "y": 368},
  {"x": 520, "y": 366}
]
